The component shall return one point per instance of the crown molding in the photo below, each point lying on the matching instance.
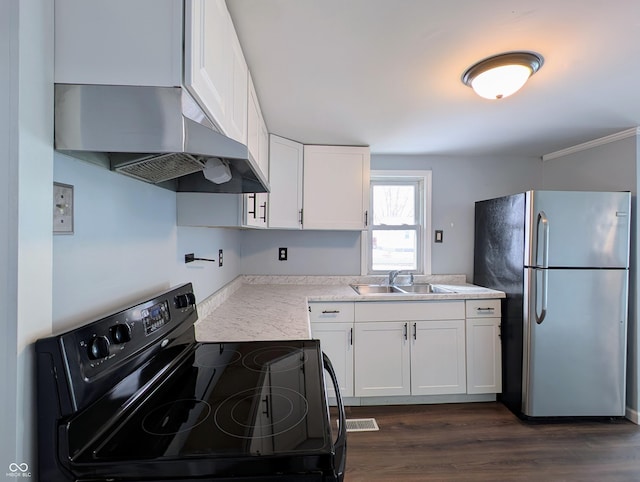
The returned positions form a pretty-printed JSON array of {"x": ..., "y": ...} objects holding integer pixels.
[{"x": 634, "y": 131}]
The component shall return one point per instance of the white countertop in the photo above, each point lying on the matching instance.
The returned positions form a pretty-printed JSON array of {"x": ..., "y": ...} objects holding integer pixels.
[{"x": 275, "y": 307}]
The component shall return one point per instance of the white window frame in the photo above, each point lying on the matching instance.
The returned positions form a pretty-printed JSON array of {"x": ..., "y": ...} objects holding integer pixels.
[{"x": 424, "y": 182}]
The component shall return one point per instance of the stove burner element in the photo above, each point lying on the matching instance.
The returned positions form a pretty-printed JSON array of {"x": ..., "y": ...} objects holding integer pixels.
[
  {"x": 279, "y": 409},
  {"x": 175, "y": 417},
  {"x": 270, "y": 358},
  {"x": 215, "y": 356}
]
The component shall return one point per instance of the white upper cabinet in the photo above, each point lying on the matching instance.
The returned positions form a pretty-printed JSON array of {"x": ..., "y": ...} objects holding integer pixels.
[
  {"x": 285, "y": 178},
  {"x": 237, "y": 121},
  {"x": 257, "y": 135},
  {"x": 215, "y": 71},
  {"x": 206, "y": 66},
  {"x": 255, "y": 210},
  {"x": 336, "y": 187},
  {"x": 255, "y": 204}
]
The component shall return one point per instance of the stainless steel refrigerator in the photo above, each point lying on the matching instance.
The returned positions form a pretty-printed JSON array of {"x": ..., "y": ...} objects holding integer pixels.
[{"x": 562, "y": 257}]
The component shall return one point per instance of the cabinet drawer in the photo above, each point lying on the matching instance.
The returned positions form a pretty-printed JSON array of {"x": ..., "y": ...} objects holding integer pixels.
[
  {"x": 336, "y": 311},
  {"x": 483, "y": 308},
  {"x": 409, "y": 310}
]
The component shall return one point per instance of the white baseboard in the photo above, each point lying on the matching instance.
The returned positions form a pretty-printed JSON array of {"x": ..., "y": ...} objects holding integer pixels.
[
  {"x": 632, "y": 415},
  {"x": 414, "y": 400}
]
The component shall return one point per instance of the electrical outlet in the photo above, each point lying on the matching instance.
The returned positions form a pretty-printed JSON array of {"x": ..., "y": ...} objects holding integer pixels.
[
  {"x": 282, "y": 254},
  {"x": 219, "y": 257},
  {"x": 62, "y": 208},
  {"x": 439, "y": 235}
]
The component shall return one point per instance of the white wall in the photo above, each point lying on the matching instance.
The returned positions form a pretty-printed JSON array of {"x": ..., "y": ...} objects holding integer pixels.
[
  {"x": 606, "y": 167},
  {"x": 123, "y": 246},
  {"x": 208, "y": 277},
  {"x": 126, "y": 246},
  {"x": 26, "y": 126},
  {"x": 309, "y": 252},
  {"x": 457, "y": 183},
  {"x": 609, "y": 167},
  {"x": 8, "y": 219}
]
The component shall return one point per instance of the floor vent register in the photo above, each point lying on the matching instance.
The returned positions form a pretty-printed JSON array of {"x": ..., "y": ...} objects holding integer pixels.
[{"x": 362, "y": 425}]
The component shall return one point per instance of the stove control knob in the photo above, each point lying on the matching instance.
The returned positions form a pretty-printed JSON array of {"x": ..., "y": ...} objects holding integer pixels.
[
  {"x": 120, "y": 333},
  {"x": 182, "y": 301},
  {"x": 192, "y": 298},
  {"x": 99, "y": 347}
]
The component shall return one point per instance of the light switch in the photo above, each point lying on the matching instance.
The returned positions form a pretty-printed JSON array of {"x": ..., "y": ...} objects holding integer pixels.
[{"x": 62, "y": 208}]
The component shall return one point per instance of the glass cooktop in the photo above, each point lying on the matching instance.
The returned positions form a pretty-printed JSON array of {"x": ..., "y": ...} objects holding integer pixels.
[{"x": 228, "y": 399}]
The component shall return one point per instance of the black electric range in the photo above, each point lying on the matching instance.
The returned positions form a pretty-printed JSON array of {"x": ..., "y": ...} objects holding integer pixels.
[{"x": 134, "y": 397}]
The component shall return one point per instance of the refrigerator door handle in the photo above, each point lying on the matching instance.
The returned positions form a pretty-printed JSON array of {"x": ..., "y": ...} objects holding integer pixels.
[
  {"x": 543, "y": 311},
  {"x": 544, "y": 221}
]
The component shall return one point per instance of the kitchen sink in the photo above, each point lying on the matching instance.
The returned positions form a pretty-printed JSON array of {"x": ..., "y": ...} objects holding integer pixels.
[
  {"x": 418, "y": 288},
  {"x": 374, "y": 289},
  {"x": 422, "y": 288}
]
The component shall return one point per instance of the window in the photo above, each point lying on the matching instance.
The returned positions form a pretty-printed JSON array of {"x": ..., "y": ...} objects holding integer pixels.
[{"x": 399, "y": 207}]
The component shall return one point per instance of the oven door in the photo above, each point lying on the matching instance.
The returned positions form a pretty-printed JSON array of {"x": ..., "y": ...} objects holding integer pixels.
[{"x": 340, "y": 443}]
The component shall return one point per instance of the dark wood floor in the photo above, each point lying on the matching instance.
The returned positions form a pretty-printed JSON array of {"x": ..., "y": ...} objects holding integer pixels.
[{"x": 486, "y": 442}]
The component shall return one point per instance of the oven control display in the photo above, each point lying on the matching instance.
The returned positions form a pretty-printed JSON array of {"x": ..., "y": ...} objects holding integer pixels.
[{"x": 155, "y": 317}]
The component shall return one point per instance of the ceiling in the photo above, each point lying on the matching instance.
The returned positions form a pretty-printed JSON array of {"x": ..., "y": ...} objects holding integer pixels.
[{"x": 386, "y": 73}]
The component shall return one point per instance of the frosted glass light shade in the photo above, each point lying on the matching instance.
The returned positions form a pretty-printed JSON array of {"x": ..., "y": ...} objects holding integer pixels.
[
  {"x": 501, "y": 82},
  {"x": 503, "y": 75}
]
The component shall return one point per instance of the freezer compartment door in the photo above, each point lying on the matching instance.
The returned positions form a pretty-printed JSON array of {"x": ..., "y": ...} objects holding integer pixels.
[
  {"x": 574, "y": 359},
  {"x": 577, "y": 229}
]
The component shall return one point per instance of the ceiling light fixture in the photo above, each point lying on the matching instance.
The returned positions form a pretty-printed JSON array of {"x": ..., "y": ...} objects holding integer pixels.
[{"x": 500, "y": 76}]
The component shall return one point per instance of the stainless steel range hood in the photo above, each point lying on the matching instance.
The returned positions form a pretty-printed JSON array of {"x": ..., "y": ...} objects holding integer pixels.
[{"x": 155, "y": 134}]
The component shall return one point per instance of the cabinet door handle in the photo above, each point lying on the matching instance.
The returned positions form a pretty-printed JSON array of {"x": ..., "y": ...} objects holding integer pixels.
[
  {"x": 415, "y": 331},
  {"x": 264, "y": 206},
  {"x": 351, "y": 337},
  {"x": 252, "y": 196},
  {"x": 366, "y": 218},
  {"x": 330, "y": 312},
  {"x": 406, "y": 329},
  {"x": 485, "y": 310},
  {"x": 300, "y": 216}
]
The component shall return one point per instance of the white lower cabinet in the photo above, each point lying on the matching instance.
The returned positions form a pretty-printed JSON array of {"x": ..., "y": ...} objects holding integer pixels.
[
  {"x": 332, "y": 324},
  {"x": 382, "y": 359},
  {"x": 420, "y": 358},
  {"x": 411, "y": 348},
  {"x": 336, "y": 341},
  {"x": 438, "y": 358},
  {"x": 422, "y": 354},
  {"x": 484, "y": 349}
]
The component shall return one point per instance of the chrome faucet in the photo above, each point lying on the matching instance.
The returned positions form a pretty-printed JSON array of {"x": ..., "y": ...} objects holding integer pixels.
[{"x": 393, "y": 274}]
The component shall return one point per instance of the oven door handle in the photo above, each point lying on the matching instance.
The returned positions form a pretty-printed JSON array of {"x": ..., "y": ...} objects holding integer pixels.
[{"x": 340, "y": 445}]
